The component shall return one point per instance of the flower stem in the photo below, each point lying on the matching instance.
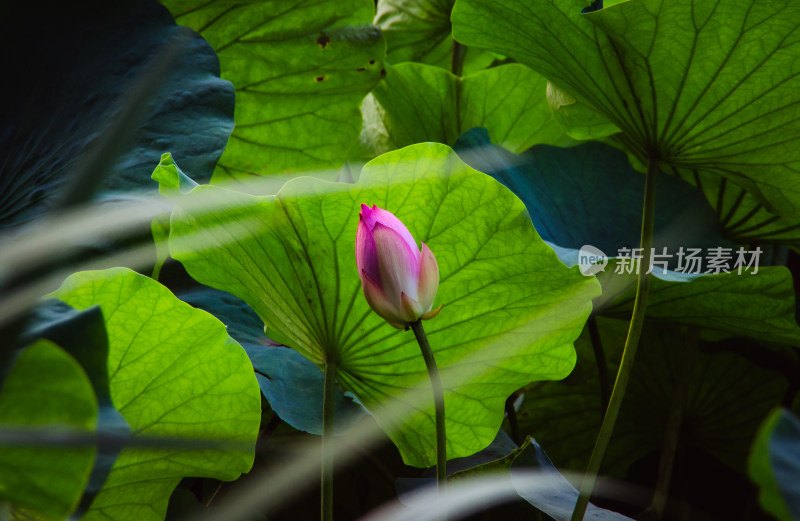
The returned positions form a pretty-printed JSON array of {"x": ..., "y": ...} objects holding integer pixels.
[
  {"x": 438, "y": 403},
  {"x": 457, "y": 58},
  {"x": 327, "y": 439},
  {"x": 631, "y": 344}
]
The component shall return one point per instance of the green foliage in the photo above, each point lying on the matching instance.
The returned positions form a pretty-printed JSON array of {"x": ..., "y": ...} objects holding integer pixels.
[
  {"x": 83, "y": 335},
  {"x": 511, "y": 309},
  {"x": 417, "y": 103},
  {"x": 578, "y": 196},
  {"x": 300, "y": 71},
  {"x": 98, "y": 81},
  {"x": 711, "y": 87},
  {"x": 774, "y": 465},
  {"x": 578, "y": 120},
  {"x": 46, "y": 387},
  {"x": 741, "y": 215},
  {"x": 728, "y": 396},
  {"x": 760, "y": 306},
  {"x": 553, "y": 495},
  {"x": 419, "y": 31},
  {"x": 291, "y": 384},
  {"x": 174, "y": 373},
  {"x": 106, "y": 408}
]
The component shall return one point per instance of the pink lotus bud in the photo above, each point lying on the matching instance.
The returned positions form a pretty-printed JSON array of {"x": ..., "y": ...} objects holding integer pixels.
[{"x": 399, "y": 280}]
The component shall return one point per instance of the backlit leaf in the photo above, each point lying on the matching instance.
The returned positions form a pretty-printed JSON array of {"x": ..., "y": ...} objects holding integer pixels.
[{"x": 511, "y": 309}]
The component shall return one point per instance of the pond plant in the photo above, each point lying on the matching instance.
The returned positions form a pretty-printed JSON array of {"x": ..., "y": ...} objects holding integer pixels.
[{"x": 223, "y": 222}]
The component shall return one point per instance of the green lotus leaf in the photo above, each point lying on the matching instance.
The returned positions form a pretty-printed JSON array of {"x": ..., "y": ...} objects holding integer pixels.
[
  {"x": 742, "y": 216},
  {"x": 511, "y": 308},
  {"x": 580, "y": 196},
  {"x": 420, "y": 31},
  {"x": 300, "y": 71},
  {"x": 774, "y": 465},
  {"x": 176, "y": 374},
  {"x": 45, "y": 387},
  {"x": 578, "y": 120},
  {"x": 417, "y": 103},
  {"x": 728, "y": 396},
  {"x": 83, "y": 335},
  {"x": 711, "y": 86},
  {"x": 758, "y": 305}
]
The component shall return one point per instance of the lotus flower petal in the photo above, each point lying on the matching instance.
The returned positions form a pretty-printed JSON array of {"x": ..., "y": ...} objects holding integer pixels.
[
  {"x": 378, "y": 215},
  {"x": 366, "y": 253},
  {"x": 398, "y": 264},
  {"x": 428, "y": 282},
  {"x": 399, "y": 281},
  {"x": 411, "y": 309},
  {"x": 379, "y": 303},
  {"x": 432, "y": 313}
]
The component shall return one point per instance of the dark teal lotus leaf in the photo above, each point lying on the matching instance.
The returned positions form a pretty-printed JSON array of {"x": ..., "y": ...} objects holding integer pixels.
[
  {"x": 76, "y": 69},
  {"x": 556, "y": 497},
  {"x": 291, "y": 383},
  {"x": 775, "y": 465},
  {"x": 589, "y": 194}
]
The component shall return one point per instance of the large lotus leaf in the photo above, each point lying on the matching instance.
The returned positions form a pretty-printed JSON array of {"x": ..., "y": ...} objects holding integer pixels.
[
  {"x": 175, "y": 373},
  {"x": 742, "y": 216},
  {"x": 420, "y": 31},
  {"x": 712, "y": 86},
  {"x": 578, "y": 120},
  {"x": 556, "y": 497},
  {"x": 75, "y": 68},
  {"x": 291, "y": 383},
  {"x": 497, "y": 455},
  {"x": 728, "y": 396},
  {"x": 582, "y": 196},
  {"x": 589, "y": 194},
  {"x": 83, "y": 335},
  {"x": 511, "y": 309},
  {"x": 417, "y": 103},
  {"x": 528, "y": 469},
  {"x": 300, "y": 69},
  {"x": 759, "y": 305},
  {"x": 775, "y": 465},
  {"x": 46, "y": 388}
]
